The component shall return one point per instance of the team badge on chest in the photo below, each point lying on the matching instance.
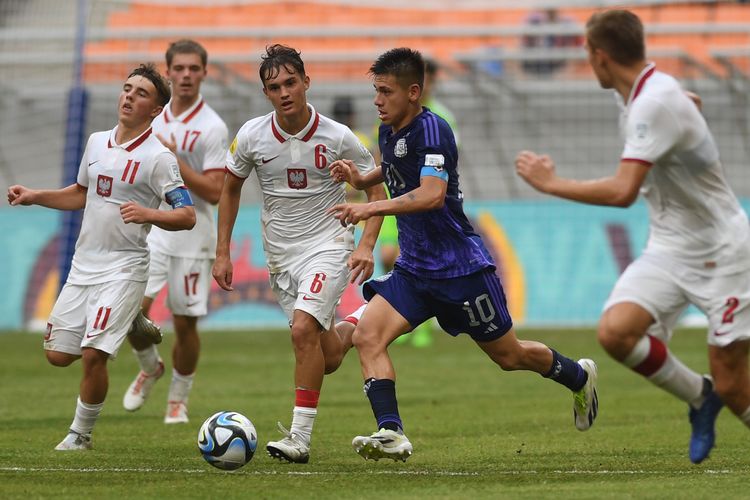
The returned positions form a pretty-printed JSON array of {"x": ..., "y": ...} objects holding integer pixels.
[
  {"x": 296, "y": 178},
  {"x": 104, "y": 185},
  {"x": 400, "y": 148}
]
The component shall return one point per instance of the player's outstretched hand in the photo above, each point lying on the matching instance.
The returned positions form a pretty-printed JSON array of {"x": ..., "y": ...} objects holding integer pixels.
[
  {"x": 537, "y": 170},
  {"x": 222, "y": 272},
  {"x": 20, "y": 195},
  {"x": 362, "y": 264},
  {"x": 350, "y": 213},
  {"x": 345, "y": 171},
  {"x": 169, "y": 144},
  {"x": 131, "y": 212}
]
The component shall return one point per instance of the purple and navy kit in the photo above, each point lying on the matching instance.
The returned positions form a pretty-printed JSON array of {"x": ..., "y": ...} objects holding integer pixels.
[
  {"x": 444, "y": 270},
  {"x": 440, "y": 243}
]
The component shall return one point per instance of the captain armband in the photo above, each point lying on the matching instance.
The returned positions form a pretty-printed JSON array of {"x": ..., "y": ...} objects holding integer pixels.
[{"x": 179, "y": 197}]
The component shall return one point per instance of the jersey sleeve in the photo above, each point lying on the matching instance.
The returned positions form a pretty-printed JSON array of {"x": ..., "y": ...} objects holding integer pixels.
[
  {"x": 353, "y": 149},
  {"x": 216, "y": 149},
  {"x": 433, "y": 152},
  {"x": 651, "y": 131},
  {"x": 239, "y": 160},
  {"x": 166, "y": 174}
]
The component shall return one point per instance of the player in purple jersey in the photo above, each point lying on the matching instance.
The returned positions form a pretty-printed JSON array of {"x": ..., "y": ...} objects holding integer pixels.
[{"x": 444, "y": 269}]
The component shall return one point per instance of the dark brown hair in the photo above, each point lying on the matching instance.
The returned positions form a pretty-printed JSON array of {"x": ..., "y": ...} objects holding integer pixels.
[
  {"x": 186, "y": 46},
  {"x": 619, "y": 33},
  {"x": 150, "y": 73}
]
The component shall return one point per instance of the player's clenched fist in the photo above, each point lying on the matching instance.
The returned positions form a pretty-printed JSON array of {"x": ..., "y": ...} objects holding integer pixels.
[
  {"x": 345, "y": 171},
  {"x": 537, "y": 170},
  {"x": 133, "y": 212},
  {"x": 19, "y": 195}
]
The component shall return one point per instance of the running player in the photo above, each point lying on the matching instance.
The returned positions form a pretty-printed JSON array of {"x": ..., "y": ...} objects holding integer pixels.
[
  {"x": 444, "y": 270},
  {"x": 310, "y": 257},
  {"x": 699, "y": 240},
  {"x": 124, "y": 175}
]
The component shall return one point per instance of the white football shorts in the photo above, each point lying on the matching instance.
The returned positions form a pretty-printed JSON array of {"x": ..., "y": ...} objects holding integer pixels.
[
  {"x": 97, "y": 316},
  {"x": 314, "y": 284},
  {"x": 188, "y": 283},
  {"x": 665, "y": 288}
]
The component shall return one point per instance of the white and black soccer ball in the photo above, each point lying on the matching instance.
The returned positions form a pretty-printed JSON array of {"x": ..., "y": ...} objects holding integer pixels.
[{"x": 227, "y": 440}]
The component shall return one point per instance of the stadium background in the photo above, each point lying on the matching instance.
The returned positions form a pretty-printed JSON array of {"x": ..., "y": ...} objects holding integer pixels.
[{"x": 558, "y": 259}]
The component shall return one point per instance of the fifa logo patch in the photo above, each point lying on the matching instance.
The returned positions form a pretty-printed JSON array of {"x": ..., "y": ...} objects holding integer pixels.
[
  {"x": 104, "y": 186},
  {"x": 296, "y": 178},
  {"x": 400, "y": 148}
]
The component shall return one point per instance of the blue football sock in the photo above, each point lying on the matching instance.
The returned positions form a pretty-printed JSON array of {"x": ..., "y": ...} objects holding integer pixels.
[
  {"x": 382, "y": 396},
  {"x": 567, "y": 372}
]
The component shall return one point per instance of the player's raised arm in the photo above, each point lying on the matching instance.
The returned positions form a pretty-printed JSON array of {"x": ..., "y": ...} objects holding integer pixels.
[
  {"x": 72, "y": 197},
  {"x": 229, "y": 205},
  {"x": 619, "y": 190}
]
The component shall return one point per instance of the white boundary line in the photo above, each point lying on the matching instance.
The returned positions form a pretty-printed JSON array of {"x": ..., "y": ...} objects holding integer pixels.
[{"x": 374, "y": 472}]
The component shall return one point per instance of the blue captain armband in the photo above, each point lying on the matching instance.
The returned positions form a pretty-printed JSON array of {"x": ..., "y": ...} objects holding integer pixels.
[
  {"x": 434, "y": 166},
  {"x": 179, "y": 198}
]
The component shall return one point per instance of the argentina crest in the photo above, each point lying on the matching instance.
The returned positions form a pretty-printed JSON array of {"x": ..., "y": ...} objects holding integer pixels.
[{"x": 400, "y": 148}]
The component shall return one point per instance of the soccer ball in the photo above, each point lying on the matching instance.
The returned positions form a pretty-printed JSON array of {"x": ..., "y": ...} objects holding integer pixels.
[{"x": 227, "y": 440}]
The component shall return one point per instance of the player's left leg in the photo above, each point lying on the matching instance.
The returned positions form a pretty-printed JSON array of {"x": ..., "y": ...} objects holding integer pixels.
[
  {"x": 729, "y": 367},
  {"x": 185, "y": 354},
  {"x": 308, "y": 379}
]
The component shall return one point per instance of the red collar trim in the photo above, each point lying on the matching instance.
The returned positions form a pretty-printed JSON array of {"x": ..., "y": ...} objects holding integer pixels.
[
  {"x": 305, "y": 138},
  {"x": 135, "y": 143},
  {"x": 275, "y": 131},
  {"x": 639, "y": 85},
  {"x": 194, "y": 112},
  {"x": 188, "y": 117},
  {"x": 312, "y": 129}
]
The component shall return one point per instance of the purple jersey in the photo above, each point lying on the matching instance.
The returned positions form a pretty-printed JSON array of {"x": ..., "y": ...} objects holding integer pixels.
[{"x": 440, "y": 243}]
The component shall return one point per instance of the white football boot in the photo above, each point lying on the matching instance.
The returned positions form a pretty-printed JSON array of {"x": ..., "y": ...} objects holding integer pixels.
[
  {"x": 141, "y": 387},
  {"x": 75, "y": 441},
  {"x": 586, "y": 400},
  {"x": 176, "y": 412},
  {"x": 290, "y": 448},
  {"x": 383, "y": 444}
]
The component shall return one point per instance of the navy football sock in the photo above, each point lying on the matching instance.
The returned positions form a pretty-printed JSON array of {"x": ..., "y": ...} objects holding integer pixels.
[
  {"x": 382, "y": 396},
  {"x": 567, "y": 372}
]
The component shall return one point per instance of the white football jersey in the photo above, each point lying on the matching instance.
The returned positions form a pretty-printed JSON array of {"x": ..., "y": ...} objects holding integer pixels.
[
  {"x": 297, "y": 188},
  {"x": 141, "y": 170},
  {"x": 694, "y": 215},
  {"x": 201, "y": 137}
]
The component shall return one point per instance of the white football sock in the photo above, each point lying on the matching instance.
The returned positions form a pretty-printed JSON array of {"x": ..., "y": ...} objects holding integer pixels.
[
  {"x": 179, "y": 388},
  {"x": 651, "y": 358},
  {"x": 302, "y": 423},
  {"x": 148, "y": 359},
  {"x": 86, "y": 415}
]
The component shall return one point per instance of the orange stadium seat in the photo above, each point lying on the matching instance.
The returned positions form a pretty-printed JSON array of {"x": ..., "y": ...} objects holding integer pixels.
[{"x": 316, "y": 15}]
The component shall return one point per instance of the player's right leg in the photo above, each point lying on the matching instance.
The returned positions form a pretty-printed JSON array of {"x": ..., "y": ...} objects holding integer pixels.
[
  {"x": 378, "y": 327},
  {"x": 149, "y": 361},
  {"x": 108, "y": 310},
  {"x": 143, "y": 343}
]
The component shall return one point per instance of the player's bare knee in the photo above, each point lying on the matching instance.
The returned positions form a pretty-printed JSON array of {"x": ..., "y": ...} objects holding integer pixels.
[
  {"x": 366, "y": 340},
  {"x": 729, "y": 388},
  {"x": 332, "y": 363},
  {"x": 62, "y": 359}
]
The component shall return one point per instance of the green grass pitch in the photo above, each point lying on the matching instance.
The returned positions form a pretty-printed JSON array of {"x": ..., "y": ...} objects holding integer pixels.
[{"x": 477, "y": 432}]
